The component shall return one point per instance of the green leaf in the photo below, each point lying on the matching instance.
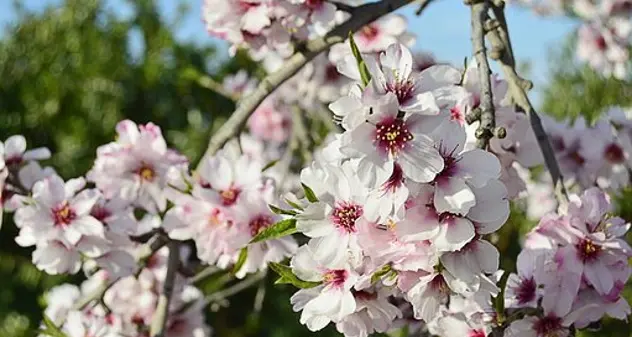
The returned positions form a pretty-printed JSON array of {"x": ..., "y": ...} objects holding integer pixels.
[
  {"x": 287, "y": 277},
  {"x": 243, "y": 255},
  {"x": 293, "y": 204},
  {"x": 380, "y": 272},
  {"x": 51, "y": 328},
  {"x": 499, "y": 301},
  {"x": 280, "y": 229},
  {"x": 277, "y": 210},
  {"x": 365, "y": 75},
  {"x": 309, "y": 193},
  {"x": 269, "y": 165}
]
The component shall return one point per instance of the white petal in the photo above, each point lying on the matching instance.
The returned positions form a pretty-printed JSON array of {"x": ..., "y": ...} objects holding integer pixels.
[
  {"x": 419, "y": 160},
  {"x": 453, "y": 196}
]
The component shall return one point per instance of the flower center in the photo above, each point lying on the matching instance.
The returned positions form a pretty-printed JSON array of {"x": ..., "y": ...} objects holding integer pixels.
[
  {"x": 100, "y": 213},
  {"x": 439, "y": 285},
  {"x": 345, "y": 215},
  {"x": 229, "y": 196},
  {"x": 313, "y": 4},
  {"x": 588, "y": 250},
  {"x": 526, "y": 291},
  {"x": 601, "y": 44},
  {"x": 402, "y": 89},
  {"x": 336, "y": 277},
  {"x": 259, "y": 223},
  {"x": 331, "y": 73},
  {"x": 63, "y": 214},
  {"x": 614, "y": 153},
  {"x": 548, "y": 326},
  {"x": 146, "y": 172},
  {"x": 456, "y": 115},
  {"x": 449, "y": 165},
  {"x": 392, "y": 135},
  {"x": 14, "y": 160},
  {"x": 215, "y": 218},
  {"x": 577, "y": 158},
  {"x": 369, "y": 32},
  {"x": 476, "y": 333}
]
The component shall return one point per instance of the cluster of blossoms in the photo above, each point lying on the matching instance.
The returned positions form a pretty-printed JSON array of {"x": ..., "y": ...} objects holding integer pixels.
[
  {"x": 605, "y": 34},
  {"x": 397, "y": 206},
  {"x": 596, "y": 154},
  {"x": 94, "y": 222},
  {"x": 128, "y": 305},
  {"x": 572, "y": 269}
]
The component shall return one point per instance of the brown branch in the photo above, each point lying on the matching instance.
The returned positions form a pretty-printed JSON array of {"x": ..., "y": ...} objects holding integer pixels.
[
  {"x": 362, "y": 15},
  {"x": 487, "y": 125},
  {"x": 517, "y": 89},
  {"x": 159, "y": 321}
]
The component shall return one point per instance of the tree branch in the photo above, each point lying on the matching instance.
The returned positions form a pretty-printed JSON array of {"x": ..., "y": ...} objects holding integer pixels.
[
  {"x": 234, "y": 289},
  {"x": 159, "y": 321},
  {"x": 485, "y": 131},
  {"x": 362, "y": 15},
  {"x": 517, "y": 89}
]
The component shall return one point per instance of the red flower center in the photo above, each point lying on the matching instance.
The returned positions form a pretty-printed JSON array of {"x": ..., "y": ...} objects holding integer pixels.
[
  {"x": 331, "y": 73},
  {"x": 336, "y": 277},
  {"x": 402, "y": 89},
  {"x": 614, "y": 153},
  {"x": 392, "y": 135},
  {"x": 63, "y": 215},
  {"x": 548, "y": 326},
  {"x": 100, "y": 213},
  {"x": 526, "y": 291},
  {"x": 345, "y": 215},
  {"x": 259, "y": 223},
  {"x": 313, "y": 4},
  {"x": 588, "y": 251},
  {"x": 369, "y": 32},
  {"x": 476, "y": 333},
  {"x": 229, "y": 196},
  {"x": 146, "y": 172}
]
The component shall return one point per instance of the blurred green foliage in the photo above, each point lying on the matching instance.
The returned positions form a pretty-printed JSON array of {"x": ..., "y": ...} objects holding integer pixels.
[
  {"x": 70, "y": 73},
  {"x": 574, "y": 89}
]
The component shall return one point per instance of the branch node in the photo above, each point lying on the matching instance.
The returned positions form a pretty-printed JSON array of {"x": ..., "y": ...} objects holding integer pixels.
[
  {"x": 473, "y": 116},
  {"x": 500, "y": 132}
]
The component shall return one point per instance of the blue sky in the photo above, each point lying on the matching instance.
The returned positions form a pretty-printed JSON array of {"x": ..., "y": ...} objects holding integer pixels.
[{"x": 443, "y": 29}]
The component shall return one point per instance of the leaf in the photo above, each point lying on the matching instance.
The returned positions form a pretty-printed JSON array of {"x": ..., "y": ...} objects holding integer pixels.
[
  {"x": 280, "y": 229},
  {"x": 243, "y": 255},
  {"x": 365, "y": 75},
  {"x": 309, "y": 193},
  {"x": 293, "y": 204},
  {"x": 269, "y": 165},
  {"x": 277, "y": 210},
  {"x": 380, "y": 272},
  {"x": 287, "y": 277},
  {"x": 499, "y": 301},
  {"x": 51, "y": 328}
]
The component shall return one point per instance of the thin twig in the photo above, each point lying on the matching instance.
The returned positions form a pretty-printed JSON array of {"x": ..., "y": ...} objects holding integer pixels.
[
  {"x": 487, "y": 125},
  {"x": 209, "y": 83},
  {"x": 208, "y": 271},
  {"x": 362, "y": 16},
  {"x": 422, "y": 7},
  {"x": 159, "y": 321},
  {"x": 517, "y": 89},
  {"x": 234, "y": 289}
]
